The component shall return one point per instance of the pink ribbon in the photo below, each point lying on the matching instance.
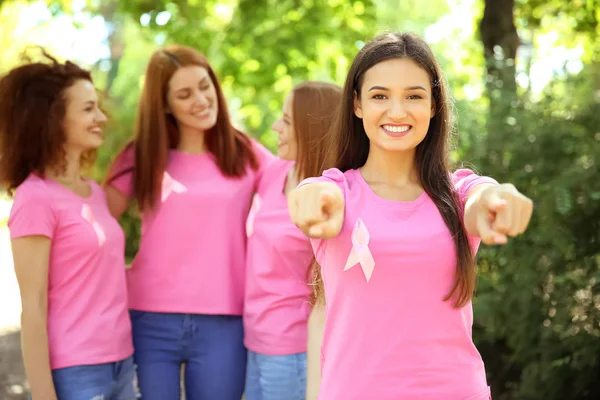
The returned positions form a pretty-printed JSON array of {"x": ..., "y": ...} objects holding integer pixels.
[
  {"x": 170, "y": 185},
  {"x": 86, "y": 213},
  {"x": 256, "y": 203},
  {"x": 360, "y": 253}
]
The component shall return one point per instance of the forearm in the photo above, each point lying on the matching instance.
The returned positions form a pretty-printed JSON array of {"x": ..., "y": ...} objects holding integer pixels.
[
  {"x": 472, "y": 208},
  {"x": 316, "y": 323},
  {"x": 34, "y": 343}
]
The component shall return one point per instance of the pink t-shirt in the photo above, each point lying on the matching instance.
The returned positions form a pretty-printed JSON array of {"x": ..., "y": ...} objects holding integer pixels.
[
  {"x": 88, "y": 321},
  {"x": 192, "y": 254},
  {"x": 394, "y": 337},
  {"x": 277, "y": 305}
]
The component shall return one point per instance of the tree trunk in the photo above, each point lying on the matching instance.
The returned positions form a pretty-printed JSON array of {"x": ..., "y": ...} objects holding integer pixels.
[
  {"x": 114, "y": 23},
  {"x": 500, "y": 42}
]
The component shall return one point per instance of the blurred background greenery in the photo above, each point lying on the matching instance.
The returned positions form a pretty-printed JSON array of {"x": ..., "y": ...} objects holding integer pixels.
[{"x": 525, "y": 77}]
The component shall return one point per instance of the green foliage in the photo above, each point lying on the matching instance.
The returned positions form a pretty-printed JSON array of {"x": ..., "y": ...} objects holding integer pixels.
[
  {"x": 388, "y": 12},
  {"x": 538, "y": 308},
  {"x": 578, "y": 20},
  {"x": 261, "y": 49}
]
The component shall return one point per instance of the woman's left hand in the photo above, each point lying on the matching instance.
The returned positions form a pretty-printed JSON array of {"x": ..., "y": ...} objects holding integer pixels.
[{"x": 502, "y": 211}]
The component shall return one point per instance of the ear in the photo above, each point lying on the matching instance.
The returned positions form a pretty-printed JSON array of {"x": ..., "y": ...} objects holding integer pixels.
[
  {"x": 433, "y": 110},
  {"x": 357, "y": 107},
  {"x": 167, "y": 109}
]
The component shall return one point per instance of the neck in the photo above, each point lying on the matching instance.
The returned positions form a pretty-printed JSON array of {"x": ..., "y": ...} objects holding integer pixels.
[
  {"x": 391, "y": 167},
  {"x": 293, "y": 175},
  {"x": 191, "y": 140},
  {"x": 291, "y": 181},
  {"x": 72, "y": 172}
]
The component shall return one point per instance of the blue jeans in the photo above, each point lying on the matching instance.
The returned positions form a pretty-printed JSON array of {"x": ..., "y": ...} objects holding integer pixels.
[
  {"x": 112, "y": 381},
  {"x": 210, "y": 346},
  {"x": 276, "y": 377}
]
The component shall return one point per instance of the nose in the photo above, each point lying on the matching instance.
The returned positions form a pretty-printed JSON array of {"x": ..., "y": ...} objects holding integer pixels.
[
  {"x": 201, "y": 99},
  {"x": 278, "y": 126},
  {"x": 397, "y": 109},
  {"x": 100, "y": 117}
]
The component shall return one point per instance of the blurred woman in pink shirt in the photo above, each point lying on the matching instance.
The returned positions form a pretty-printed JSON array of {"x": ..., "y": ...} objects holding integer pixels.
[
  {"x": 395, "y": 232},
  {"x": 68, "y": 250},
  {"x": 277, "y": 301},
  {"x": 192, "y": 174}
]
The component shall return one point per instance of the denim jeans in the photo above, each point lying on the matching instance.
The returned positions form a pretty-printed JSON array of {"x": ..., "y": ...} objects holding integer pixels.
[
  {"x": 276, "y": 377},
  {"x": 112, "y": 381},
  {"x": 210, "y": 346}
]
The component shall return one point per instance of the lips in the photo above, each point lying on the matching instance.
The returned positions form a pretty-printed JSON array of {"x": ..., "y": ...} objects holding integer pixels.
[
  {"x": 97, "y": 131},
  {"x": 396, "y": 130},
  {"x": 203, "y": 114}
]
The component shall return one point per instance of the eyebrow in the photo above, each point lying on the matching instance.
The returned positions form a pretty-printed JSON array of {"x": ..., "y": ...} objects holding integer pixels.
[
  {"x": 287, "y": 115},
  {"x": 406, "y": 88},
  {"x": 90, "y": 103},
  {"x": 187, "y": 87}
]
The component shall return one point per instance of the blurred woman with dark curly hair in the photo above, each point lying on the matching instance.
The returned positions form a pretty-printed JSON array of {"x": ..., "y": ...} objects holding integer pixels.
[{"x": 68, "y": 250}]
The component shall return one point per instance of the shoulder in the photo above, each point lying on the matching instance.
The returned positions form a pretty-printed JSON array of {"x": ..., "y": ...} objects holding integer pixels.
[
  {"x": 33, "y": 187},
  {"x": 96, "y": 188},
  {"x": 334, "y": 175},
  {"x": 33, "y": 208},
  {"x": 263, "y": 155},
  {"x": 126, "y": 157},
  {"x": 277, "y": 165}
]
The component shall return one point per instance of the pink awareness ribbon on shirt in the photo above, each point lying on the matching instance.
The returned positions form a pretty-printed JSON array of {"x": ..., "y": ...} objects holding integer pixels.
[
  {"x": 88, "y": 215},
  {"x": 360, "y": 253},
  {"x": 170, "y": 185},
  {"x": 256, "y": 203}
]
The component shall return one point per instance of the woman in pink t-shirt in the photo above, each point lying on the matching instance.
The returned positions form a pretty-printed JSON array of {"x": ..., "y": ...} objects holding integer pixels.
[
  {"x": 192, "y": 174},
  {"x": 67, "y": 247},
  {"x": 395, "y": 233},
  {"x": 277, "y": 301}
]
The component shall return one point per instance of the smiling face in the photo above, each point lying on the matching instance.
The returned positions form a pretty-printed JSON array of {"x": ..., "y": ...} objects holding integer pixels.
[
  {"x": 83, "y": 120},
  {"x": 287, "y": 144},
  {"x": 192, "y": 98},
  {"x": 395, "y": 105}
]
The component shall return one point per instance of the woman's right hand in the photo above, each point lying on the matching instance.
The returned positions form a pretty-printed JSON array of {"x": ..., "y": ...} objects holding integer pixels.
[{"x": 317, "y": 209}]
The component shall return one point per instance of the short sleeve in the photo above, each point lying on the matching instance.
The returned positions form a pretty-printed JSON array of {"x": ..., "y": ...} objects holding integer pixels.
[
  {"x": 121, "y": 173},
  {"x": 332, "y": 175},
  {"x": 465, "y": 180},
  {"x": 264, "y": 158},
  {"x": 31, "y": 213}
]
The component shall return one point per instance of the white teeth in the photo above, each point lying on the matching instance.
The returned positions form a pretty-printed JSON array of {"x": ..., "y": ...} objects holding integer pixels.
[
  {"x": 202, "y": 113},
  {"x": 397, "y": 129}
]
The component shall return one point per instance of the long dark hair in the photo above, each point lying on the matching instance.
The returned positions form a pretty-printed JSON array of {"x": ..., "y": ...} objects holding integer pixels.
[
  {"x": 156, "y": 132},
  {"x": 349, "y": 145}
]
